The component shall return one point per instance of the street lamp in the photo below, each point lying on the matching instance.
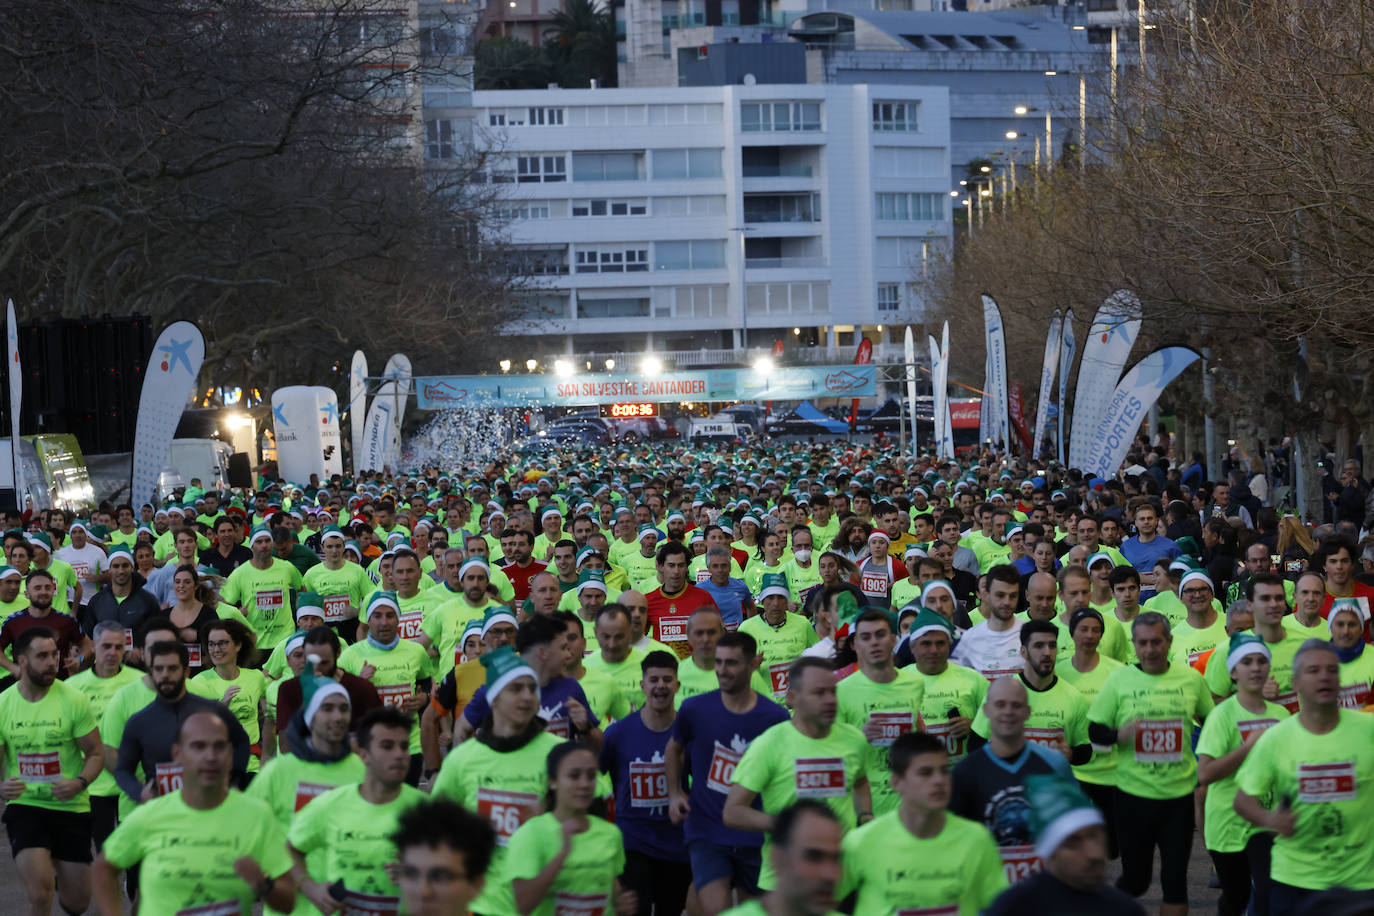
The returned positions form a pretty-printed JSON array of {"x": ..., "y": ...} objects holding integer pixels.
[
  {"x": 764, "y": 365},
  {"x": 530, "y": 364},
  {"x": 1012, "y": 135},
  {"x": 562, "y": 368},
  {"x": 651, "y": 365},
  {"x": 610, "y": 365},
  {"x": 505, "y": 365},
  {"x": 1020, "y": 109}
]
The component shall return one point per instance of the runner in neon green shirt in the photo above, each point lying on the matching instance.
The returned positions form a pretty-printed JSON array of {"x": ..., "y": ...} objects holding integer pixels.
[
  {"x": 1087, "y": 670},
  {"x": 444, "y": 625},
  {"x": 398, "y": 668},
  {"x": 205, "y": 846},
  {"x": 811, "y": 756},
  {"x": 568, "y": 860},
  {"x": 952, "y": 693},
  {"x": 309, "y": 614},
  {"x": 1204, "y": 628},
  {"x": 881, "y": 700},
  {"x": 131, "y": 699},
  {"x": 500, "y": 773},
  {"x": 1268, "y": 604},
  {"x": 1149, "y": 711},
  {"x": 696, "y": 674},
  {"x": 604, "y": 696},
  {"x": 781, "y": 635},
  {"x": 99, "y": 684},
  {"x": 1125, "y": 582},
  {"x": 230, "y": 645},
  {"x": 1058, "y": 712},
  {"x": 319, "y": 758},
  {"x": 616, "y": 658},
  {"x": 1228, "y": 736},
  {"x": 263, "y": 589},
  {"x": 919, "y": 856},
  {"x": 342, "y": 586},
  {"x": 1316, "y": 769},
  {"x": 348, "y": 829}
]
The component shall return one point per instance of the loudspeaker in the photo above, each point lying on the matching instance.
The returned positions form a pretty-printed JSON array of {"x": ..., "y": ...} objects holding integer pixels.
[{"x": 240, "y": 471}]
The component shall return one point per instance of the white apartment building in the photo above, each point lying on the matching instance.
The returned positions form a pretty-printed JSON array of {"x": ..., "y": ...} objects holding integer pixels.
[{"x": 719, "y": 217}]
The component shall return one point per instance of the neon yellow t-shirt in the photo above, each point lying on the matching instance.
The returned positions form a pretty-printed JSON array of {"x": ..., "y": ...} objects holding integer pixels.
[
  {"x": 896, "y": 706},
  {"x": 587, "y": 878},
  {"x": 1101, "y": 770},
  {"x": 397, "y": 673},
  {"x": 99, "y": 691},
  {"x": 1280, "y": 669},
  {"x": 693, "y": 681},
  {"x": 1225, "y": 730},
  {"x": 347, "y": 586},
  {"x": 1160, "y": 764},
  {"x": 40, "y": 743},
  {"x": 626, "y": 675},
  {"x": 354, "y": 838},
  {"x": 188, "y": 856},
  {"x": 780, "y": 646},
  {"x": 1330, "y": 779},
  {"x": 956, "y": 688},
  {"x": 958, "y": 871},
  {"x": 266, "y": 597},
  {"x": 244, "y": 705},
  {"x": 128, "y": 700},
  {"x": 1058, "y": 713}
]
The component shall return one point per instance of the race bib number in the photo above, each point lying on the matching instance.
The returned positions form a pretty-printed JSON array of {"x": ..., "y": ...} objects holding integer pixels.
[
  {"x": 1045, "y": 737},
  {"x": 956, "y": 747},
  {"x": 40, "y": 767},
  {"x": 566, "y": 903},
  {"x": 1326, "y": 782},
  {"x": 168, "y": 778},
  {"x": 1356, "y": 696},
  {"x": 409, "y": 625},
  {"x": 1254, "y": 726},
  {"x": 672, "y": 629},
  {"x": 893, "y": 726},
  {"x": 1159, "y": 741},
  {"x": 193, "y": 654},
  {"x": 393, "y": 694},
  {"x": 359, "y": 904},
  {"x": 506, "y": 811},
  {"x": 271, "y": 600},
  {"x": 335, "y": 608},
  {"x": 722, "y": 774},
  {"x": 128, "y": 640},
  {"x": 306, "y": 791},
  {"x": 83, "y": 572},
  {"x": 819, "y": 777},
  {"x": 996, "y": 674},
  {"x": 1288, "y": 701},
  {"x": 648, "y": 785},
  {"x": 874, "y": 585},
  {"x": 703, "y": 574},
  {"x": 777, "y": 676},
  {"x": 560, "y": 727},
  {"x": 1018, "y": 862},
  {"x": 227, "y": 908}
]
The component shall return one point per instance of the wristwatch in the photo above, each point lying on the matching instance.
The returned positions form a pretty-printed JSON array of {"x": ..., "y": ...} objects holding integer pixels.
[{"x": 85, "y": 783}]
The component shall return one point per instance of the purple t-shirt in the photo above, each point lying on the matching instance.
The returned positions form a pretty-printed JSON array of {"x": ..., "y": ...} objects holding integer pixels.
[
  {"x": 632, "y": 754},
  {"x": 552, "y": 706},
  {"x": 713, "y": 739}
]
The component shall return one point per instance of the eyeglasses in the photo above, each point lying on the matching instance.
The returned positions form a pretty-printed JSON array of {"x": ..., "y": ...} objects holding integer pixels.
[
  {"x": 1196, "y": 591},
  {"x": 220, "y": 644}
]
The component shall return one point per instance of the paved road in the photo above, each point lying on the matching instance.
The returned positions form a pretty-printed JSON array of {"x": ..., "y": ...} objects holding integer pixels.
[{"x": 1203, "y": 899}]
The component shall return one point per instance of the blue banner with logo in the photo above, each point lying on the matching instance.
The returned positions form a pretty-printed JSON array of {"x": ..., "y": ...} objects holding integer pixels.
[{"x": 789, "y": 383}]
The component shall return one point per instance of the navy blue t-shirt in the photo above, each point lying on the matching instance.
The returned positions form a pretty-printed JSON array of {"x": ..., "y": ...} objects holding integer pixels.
[
  {"x": 552, "y": 708},
  {"x": 991, "y": 790},
  {"x": 632, "y": 754},
  {"x": 713, "y": 739}
]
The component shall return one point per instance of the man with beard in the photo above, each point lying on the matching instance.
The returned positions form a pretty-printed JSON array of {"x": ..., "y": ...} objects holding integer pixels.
[
  {"x": 51, "y": 756},
  {"x": 124, "y": 599},
  {"x": 150, "y": 733},
  {"x": 41, "y": 613}
]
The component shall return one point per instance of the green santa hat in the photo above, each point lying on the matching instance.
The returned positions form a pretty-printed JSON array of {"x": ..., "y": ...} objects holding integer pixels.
[
  {"x": 315, "y": 690},
  {"x": 7, "y": 571},
  {"x": 1243, "y": 644},
  {"x": 260, "y": 533},
  {"x": 382, "y": 599},
  {"x": 1351, "y": 605},
  {"x": 594, "y": 579},
  {"x": 311, "y": 603},
  {"x": 293, "y": 642},
  {"x": 1058, "y": 809},
  {"x": 120, "y": 550},
  {"x": 504, "y": 667},
  {"x": 933, "y": 586},
  {"x": 927, "y": 621},
  {"x": 497, "y": 614},
  {"x": 331, "y": 531},
  {"x": 645, "y": 530},
  {"x": 774, "y": 584},
  {"x": 472, "y": 626}
]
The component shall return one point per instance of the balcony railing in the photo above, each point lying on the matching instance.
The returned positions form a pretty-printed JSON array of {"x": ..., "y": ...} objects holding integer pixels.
[
  {"x": 777, "y": 171},
  {"x": 767, "y": 263},
  {"x": 730, "y": 356}
]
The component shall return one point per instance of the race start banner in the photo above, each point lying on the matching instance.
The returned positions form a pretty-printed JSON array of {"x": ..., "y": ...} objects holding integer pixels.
[{"x": 788, "y": 383}]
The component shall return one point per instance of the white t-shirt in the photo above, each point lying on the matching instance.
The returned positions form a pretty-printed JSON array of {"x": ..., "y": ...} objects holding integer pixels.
[
  {"x": 990, "y": 653},
  {"x": 87, "y": 563}
]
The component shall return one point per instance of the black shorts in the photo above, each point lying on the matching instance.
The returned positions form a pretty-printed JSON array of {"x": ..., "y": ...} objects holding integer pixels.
[{"x": 65, "y": 834}]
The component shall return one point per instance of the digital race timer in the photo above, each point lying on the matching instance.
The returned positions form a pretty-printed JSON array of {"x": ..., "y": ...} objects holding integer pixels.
[{"x": 625, "y": 411}]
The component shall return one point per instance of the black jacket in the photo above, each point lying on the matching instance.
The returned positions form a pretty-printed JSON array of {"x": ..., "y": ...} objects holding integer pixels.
[{"x": 130, "y": 612}]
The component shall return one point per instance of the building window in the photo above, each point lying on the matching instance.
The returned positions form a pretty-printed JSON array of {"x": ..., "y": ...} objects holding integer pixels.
[
  {"x": 787, "y": 298},
  {"x": 542, "y": 117},
  {"x": 704, "y": 254},
  {"x": 608, "y": 260},
  {"x": 908, "y": 162},
  {"x": 779, "y": 116},
  {"x": 534, "y": 169},
  {"x": 782, "y": 208},
  {"x": 496, "y": 119},
  {"x": 894, "y": 116},
  {"x": 439, "y": 139},
  {"x": 908, "y": 207},
  {"x": 889, "y": 297},
  {"x": 689, "y": 206},
  {"x": 540, "y": 262},
  {"x": 615, "y": 207},
  {"x": 439, "y": 40},
  {"x": 626, "y": 307},
  {"x": 687, "y": 163},
  {"x": 617, "y": 166},
  {"x": 523, "y": 209}
]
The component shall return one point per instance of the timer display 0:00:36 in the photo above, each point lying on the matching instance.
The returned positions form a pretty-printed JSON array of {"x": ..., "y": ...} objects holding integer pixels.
[{"x": 625, "y": 411}]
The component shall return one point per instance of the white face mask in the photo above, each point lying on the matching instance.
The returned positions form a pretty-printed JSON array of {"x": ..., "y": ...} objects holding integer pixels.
[{"x": 802, "y": 555}]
